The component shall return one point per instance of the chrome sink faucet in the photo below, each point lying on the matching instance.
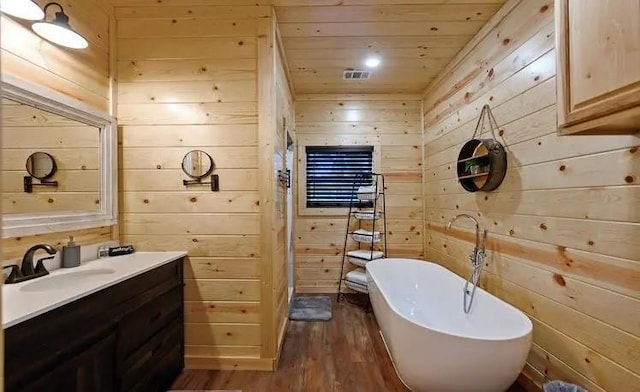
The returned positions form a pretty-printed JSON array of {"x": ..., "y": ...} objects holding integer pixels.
[{"x": 477, "y": 261}]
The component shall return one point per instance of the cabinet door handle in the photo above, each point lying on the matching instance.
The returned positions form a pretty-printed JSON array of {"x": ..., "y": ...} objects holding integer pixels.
[{"x": 155, "y": 317}]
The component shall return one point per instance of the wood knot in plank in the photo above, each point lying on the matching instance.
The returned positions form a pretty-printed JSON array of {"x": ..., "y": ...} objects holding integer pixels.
[{"x": 559, "y": 280}]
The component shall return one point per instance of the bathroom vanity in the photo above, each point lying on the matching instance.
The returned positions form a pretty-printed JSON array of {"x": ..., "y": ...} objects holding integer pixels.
[{"x": 114, "y": 324}]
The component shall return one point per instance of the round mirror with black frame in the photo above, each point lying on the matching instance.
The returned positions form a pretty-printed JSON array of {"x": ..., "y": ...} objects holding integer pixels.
[
  {"x": 41, "y": 165},
  {"x": 197, "y": 164}
]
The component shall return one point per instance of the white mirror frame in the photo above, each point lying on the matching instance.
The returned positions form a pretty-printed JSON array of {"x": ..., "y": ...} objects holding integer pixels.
[{"x": 16, "y": 225}]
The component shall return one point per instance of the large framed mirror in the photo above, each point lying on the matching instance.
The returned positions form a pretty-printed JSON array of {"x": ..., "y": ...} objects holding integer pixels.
[{"x": 58, "y": 162}]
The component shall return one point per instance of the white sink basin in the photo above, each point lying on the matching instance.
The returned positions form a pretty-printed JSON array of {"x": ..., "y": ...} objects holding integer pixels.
[{"x": 61, "y": 282}]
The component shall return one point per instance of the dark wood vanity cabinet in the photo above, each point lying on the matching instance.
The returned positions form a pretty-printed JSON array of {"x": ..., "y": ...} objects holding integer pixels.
[
  {"x": 91, "y": 369},
  {"x": 150, "y": 344},
  {"x": 127, "y": 337}
]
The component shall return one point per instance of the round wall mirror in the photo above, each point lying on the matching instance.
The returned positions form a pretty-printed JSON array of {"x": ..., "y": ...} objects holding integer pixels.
[
  {"x": 197, "y": 164},
  {"x": 41, "y": 165}
]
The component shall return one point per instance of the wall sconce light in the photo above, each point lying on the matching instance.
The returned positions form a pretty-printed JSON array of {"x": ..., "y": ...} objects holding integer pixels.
[
  {"x": 59, "y": 31},
  {"x": 23, "y": 9}
]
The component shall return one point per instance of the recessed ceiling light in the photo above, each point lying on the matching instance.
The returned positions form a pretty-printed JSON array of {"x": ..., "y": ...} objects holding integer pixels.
[{"x": 372, "y": 62}]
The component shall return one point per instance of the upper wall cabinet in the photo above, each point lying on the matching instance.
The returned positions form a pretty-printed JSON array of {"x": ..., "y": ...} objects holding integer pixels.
[{"x": 598, "y": 45}]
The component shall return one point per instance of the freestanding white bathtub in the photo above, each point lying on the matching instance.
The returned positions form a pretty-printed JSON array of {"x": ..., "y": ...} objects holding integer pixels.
[{"x": 434, "y": 345}]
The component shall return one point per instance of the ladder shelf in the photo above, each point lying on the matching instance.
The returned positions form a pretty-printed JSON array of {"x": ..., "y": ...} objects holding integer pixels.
[{"x": 369, "y": 237}]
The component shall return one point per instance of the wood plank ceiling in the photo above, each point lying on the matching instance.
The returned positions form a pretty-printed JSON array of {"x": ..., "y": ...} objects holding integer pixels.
[{"x": 414, "y": 39}]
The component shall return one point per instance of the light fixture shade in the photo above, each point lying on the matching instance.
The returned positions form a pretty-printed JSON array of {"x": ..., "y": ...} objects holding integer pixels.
[
  {"x": 59, "y": 31},
  {"x": 60, "y": 35},
  {"x": 23, "y": 9}
]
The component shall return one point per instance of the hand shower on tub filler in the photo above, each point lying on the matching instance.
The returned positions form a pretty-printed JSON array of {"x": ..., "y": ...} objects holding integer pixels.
[{"x": 477, "y": 262}]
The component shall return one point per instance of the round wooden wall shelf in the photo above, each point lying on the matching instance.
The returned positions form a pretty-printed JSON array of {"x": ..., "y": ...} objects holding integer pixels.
[{"x": 482, "y": 165}]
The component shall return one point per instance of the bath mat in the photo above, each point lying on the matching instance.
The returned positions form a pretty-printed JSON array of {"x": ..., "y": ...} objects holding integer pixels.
[
  {"x": 560, "y": 386},
  {"x": 310, "y": 309}
]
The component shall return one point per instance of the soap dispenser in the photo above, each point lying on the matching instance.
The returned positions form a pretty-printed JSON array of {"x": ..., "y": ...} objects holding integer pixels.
[{"x": 70, "y": 254}]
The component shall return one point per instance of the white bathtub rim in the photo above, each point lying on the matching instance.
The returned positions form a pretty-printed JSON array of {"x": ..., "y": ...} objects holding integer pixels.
[{"x": 439, "y": 330}]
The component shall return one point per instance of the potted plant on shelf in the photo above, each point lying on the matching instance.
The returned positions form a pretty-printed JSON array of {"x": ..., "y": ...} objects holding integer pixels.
[{"x": 472, "y": 166}]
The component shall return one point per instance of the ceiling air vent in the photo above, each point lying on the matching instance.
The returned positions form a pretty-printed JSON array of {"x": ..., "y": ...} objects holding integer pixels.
[{"x": 356, "y": 75}]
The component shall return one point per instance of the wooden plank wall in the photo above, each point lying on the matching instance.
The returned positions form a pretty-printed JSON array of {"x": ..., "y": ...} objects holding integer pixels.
[
  {"x": 84, "y": 75},
  {"x": 285, "y": 121},
  {"x": 188, "y": 80},
  {"x": 80, "y": 74},
  {"x": 74, "y": 147},
  {"x": 391, "y": 123},
  {"x": 563, "y": 226},
  {"x": 274, "y": 109}
]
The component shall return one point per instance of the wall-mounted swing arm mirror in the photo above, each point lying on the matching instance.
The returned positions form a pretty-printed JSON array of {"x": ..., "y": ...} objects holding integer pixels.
[
  {"x": 41, "y": 166},
  {"x": 58, "y": 162},
  {"x": 197, "y": 164}
]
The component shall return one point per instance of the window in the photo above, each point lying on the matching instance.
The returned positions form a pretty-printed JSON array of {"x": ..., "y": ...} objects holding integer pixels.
[{"x": 331, "y": 172}]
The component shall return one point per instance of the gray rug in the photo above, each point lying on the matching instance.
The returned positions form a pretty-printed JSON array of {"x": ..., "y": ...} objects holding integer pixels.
[{"x": 310, "y": 309}]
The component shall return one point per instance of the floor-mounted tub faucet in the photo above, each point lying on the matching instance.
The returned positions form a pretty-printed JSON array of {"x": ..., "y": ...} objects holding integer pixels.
[{"x": 477, "y": 261}]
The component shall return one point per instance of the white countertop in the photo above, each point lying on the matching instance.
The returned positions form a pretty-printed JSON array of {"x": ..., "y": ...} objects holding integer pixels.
[{"x": 20, "y": 303}]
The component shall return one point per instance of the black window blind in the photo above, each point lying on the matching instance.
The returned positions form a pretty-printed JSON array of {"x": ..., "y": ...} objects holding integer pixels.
[{"x": 331, "y": 172}]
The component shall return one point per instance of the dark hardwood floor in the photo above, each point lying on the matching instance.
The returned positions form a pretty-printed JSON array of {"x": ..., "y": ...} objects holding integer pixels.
[{"x": 344, "y": 354}]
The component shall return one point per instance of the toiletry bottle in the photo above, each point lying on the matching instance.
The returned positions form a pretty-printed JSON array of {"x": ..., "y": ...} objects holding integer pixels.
[{"x": 70, "y": 254}]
